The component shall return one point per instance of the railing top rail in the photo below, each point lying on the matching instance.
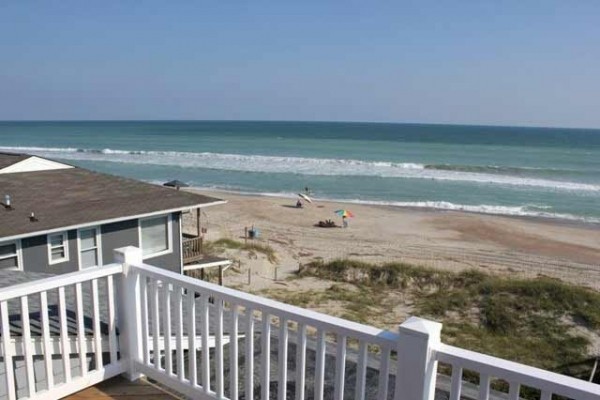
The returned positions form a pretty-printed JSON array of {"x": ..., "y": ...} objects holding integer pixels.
[
  {"x": 518, "y": 373},
  {"x": 54, "y": 282},
  {"x": 320, "y": 321}
]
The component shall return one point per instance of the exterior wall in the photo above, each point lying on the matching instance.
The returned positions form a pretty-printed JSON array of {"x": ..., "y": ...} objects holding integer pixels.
[
  {"x": 171, "y": 261},
  {"x": 34, "y": 249},
  {"x": 35, "y": 255},
  {"x": 119, "y": 234}
]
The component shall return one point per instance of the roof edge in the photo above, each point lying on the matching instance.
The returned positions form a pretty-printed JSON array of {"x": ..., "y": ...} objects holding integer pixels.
[{"x": 110, "y": 221}]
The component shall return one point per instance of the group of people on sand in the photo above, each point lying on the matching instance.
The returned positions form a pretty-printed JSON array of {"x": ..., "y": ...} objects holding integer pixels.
[{"x": 329, "y": 223}]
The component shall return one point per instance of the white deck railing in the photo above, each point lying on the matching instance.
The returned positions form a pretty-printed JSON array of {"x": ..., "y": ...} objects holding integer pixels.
[
  {"x": 516, "y": 375},
  {"x": 211, "y": 342},
  {"x": 67, "y": 349}
]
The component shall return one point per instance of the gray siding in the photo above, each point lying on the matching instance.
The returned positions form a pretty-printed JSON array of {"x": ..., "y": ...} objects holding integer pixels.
[
  {"x": 35, "y": 255},
  {"x": 171, "y": 261},
  {"x": 119, "y": 234}
]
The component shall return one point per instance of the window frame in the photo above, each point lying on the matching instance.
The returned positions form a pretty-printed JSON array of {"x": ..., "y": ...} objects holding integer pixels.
[
  {"x": 19, "y": 254},
  {"x": 65, "y": 245},
  {"x": 169, "y": 249},
  {"x": 98, "y": 246}
]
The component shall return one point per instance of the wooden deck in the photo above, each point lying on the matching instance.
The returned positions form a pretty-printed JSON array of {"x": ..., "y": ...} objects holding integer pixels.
[{"x": 119, "y": 388}]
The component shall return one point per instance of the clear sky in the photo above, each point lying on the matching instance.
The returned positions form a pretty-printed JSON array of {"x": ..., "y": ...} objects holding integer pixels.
[{"x": 475, "y": 62}]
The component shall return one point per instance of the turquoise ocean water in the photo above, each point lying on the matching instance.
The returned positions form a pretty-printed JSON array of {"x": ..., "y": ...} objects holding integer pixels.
[{"x": 501, "y": 170}]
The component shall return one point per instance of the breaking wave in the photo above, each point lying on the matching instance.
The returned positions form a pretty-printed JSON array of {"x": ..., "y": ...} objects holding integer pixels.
[
  {"x": 495, "y": 169},
  {"x": 528, "y": 210},
  {"x": 308, "y": 166},
  {"x": 521, "y": 211}
]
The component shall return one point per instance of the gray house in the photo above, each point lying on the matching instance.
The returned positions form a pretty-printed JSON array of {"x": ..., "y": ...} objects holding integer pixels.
[{"x": 56, "y": 218}]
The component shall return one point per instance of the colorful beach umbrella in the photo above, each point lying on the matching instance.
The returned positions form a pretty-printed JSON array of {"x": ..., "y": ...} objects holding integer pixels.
[{"x": 344, "y": 213}]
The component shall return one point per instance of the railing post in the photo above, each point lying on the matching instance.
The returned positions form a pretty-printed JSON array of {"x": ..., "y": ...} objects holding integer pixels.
[
  {"x": 129, "y": 310},
  {"x": 417, "y": 366}
]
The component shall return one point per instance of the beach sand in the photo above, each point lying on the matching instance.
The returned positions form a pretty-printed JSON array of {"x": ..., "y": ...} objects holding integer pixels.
[{"x": 442, "y": 239}]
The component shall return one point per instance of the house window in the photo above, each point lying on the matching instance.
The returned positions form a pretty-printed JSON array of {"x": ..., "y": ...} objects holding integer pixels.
[
  {"x": 89, "y": 248},
  {"x": 58, "y": 248},
  {"x": 156, "y": 236},
  {"x": 10, "y": 255}
]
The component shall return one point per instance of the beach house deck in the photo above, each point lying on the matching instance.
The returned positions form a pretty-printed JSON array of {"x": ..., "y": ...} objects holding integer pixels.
[{"x": 65, "y": 333}]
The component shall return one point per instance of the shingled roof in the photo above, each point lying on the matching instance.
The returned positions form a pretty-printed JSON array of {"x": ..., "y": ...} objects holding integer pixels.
[
  {"x": 8, "y": 159},
  {"x": 72, "y": 197}
]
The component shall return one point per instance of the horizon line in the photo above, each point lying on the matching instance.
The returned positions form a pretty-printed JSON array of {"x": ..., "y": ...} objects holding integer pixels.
[{"x": 306, "y": 121}]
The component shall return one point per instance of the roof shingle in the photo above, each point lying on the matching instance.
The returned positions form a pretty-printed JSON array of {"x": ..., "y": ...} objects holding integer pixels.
[{"x": 75, "y": 196}]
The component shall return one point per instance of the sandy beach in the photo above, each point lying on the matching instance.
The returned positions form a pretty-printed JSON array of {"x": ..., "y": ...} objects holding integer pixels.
[{"x": 454, "y": 240}]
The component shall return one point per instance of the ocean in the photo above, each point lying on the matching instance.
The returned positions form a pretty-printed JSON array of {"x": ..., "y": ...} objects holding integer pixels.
[{"x": 538, "y": 172}]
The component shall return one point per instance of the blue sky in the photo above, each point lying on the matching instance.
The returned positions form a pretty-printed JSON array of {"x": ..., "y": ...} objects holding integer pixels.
[{"x": 473, "y": 62}]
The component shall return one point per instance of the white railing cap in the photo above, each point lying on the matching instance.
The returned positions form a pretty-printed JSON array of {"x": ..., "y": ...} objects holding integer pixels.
[
  {"x": 420, "y": 327},
  {"x": 128, "y": 255}
]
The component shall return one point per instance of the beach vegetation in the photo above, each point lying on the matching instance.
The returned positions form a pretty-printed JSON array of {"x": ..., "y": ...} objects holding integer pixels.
[
  {"x": 220, "y": 245},
  {"x": 542, "y": 322}
]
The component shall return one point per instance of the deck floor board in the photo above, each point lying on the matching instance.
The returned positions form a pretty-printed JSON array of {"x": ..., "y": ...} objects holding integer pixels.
[{"x": 119, "y": 388}]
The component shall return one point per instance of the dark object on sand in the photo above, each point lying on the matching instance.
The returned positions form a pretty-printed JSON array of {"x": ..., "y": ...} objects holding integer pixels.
[
  {"x": 176, "y": 184},
  {"x": 327, "y": 224}
]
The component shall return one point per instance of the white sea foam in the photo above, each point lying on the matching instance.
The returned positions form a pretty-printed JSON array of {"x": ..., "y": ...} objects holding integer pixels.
[
  {"x": 524, "y": 211},
  {"x": 527, "y": 210},
  {"x": 298, "y": 165}
]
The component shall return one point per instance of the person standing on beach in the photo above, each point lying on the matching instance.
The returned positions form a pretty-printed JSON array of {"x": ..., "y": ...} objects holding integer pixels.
[{"x": 344, "y": 221}]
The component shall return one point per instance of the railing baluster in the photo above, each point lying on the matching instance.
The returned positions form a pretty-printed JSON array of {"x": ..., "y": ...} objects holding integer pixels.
[
  {"x": 340, "y": 367},
  {"x": 249, "y": 378},
  {"x": 300, "y": 361},
  {"x": 167, "y": 327},
  {"x": 64, "y": 335},
  {"x": 112, "y": 326},
  {"x": 191, "y": 320},
  {"x": 513, "y": 391},
  {"x": 282, "y": 359},
  {"x": 27, "y": 350},
  {"x": 48, "y": 350},
  {"x": 179, "y": 332},
  {"x": 484, "y": 387},
  {"x": 155, "y": 324},
  {"x": 456, "y": 383},
  {"x": 361, "y": 371},
  {"x": 8, "y": 353},
  {"x": 384, "y": 374},
  {"x": 81, "y": 329},
  {"x": 320, "y": 365},
  {"x": 96, "y": 319},
  {"x": 546, "y": 395},
  {"x": 233, "y": 353},
  {"x": 145, "y": 333},
  {"x": 265, "y": 352},
  {"x": 205, "y": 349},
  {"x": 219, "y": 349}
]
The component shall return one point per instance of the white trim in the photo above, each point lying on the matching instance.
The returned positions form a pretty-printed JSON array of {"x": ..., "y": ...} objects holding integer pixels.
[
  {"x": 19, "y": 254},
  {"x": 91, "y": 224},
  {"x": 180, "y": 243},
  {"x": 33, "y": 164},
  {"x": 65, "y": 245},
  {"x": 98, "y": 246},
  {"x": 169, "y": 249},
  {"x": 223, "y": 263}
]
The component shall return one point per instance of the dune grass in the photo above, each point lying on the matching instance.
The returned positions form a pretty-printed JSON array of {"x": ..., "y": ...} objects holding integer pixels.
[
  {"x": 252, "y": 247},
  {"x": 532, "y": 321}
]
